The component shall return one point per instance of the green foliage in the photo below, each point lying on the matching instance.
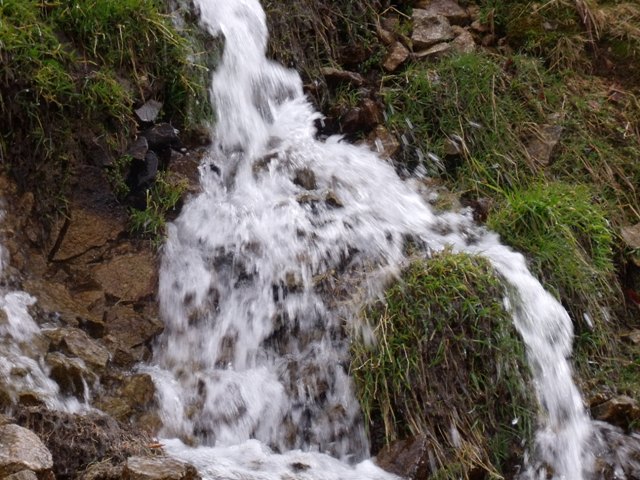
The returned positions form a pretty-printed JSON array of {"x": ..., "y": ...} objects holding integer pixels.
[
  {"x": 447, "y": 357},
  {"x": 162, "y": 198},
  {"x": 568, "y": 239}
]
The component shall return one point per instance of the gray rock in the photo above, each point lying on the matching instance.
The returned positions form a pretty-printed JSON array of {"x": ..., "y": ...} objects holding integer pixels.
[
  {"x": 149, "y": 112},
  {"x": 541, "y": 147},
  {"x": 447, "y": 8},
  {"x": 161, "y": 136},
  {"x": 396, "y": 56},
  {"x": 139, "y": 148},
  {"x": 429, "y": 30},
  {"x": 631, "y": 236},
  {"x": 22, "y": 475},
  {"x": 464, "y": 42},
  {"x": 21, "y": 449},
  {"x": 158, "y": 468}
]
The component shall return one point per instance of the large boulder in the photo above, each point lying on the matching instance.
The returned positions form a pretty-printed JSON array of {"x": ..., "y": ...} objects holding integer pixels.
[{"x": 21, "y": 449}]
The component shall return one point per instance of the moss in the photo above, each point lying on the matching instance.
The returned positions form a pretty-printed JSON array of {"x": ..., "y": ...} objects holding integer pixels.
[
  {"x": 568, "y": 239},
  {"x": 447, "y": 359}
]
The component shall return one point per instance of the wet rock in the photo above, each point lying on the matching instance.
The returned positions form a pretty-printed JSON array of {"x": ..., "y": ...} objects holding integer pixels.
[
  {"x": 541, "y": 147},
  {"x": 396, "y": 56},
  {"x": 21, "y": 449},
  {"x": 148, "y": 113},
  {"x": 130, "y": 276},
  {"x": 305, "y": 178},
  {"x": 464, "y": 43},
  {"x": 434, "y": 52},
  {"x": 429, "y": 30},
  {"x": 449, "y": 9},
  {"x": 162, "y": 136},
  {"x": 148, "y": 171},
  {"x": 406, "y": 458},
  {"x": 69, "y": 373},
  {"x": 620, "y": 411},
  {"x": 361, "y": 118},
  {"x": 86, "y": 230},
  {"x": 383, "y": 142},
  {"x": 158, "y": 468},
  {"x": 187, "y": 166},
  {"x": 335, "y": 76},
  {"x": 332, "y": 200},
  {"x": 138, "y": 149},
  {"x": 75, "y": 342}
]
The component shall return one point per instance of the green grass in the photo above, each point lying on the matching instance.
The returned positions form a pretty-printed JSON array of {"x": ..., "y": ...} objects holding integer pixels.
[
  {"x": 70, "y": 75},
  {"x": 446, "y": 355}
]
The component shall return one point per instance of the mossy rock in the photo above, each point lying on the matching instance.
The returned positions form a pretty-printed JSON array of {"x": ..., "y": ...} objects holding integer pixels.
[{"x": 447, "y": 364}]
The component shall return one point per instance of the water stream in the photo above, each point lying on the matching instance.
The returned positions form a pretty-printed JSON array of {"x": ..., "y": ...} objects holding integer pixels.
[{"x": 251, "y": 369}]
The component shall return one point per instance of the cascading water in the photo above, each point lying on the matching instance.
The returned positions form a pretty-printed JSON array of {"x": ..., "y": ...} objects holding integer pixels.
[
  {"x": 22, "y": 370},
  {"x": 254, "y": 352}
]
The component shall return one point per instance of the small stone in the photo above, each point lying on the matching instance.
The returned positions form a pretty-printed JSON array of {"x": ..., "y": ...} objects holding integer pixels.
[
  {"x": 620, "y": 411},
  {"x": 387, "y": 37},
  {"x": 158, "y": 468},
  {"x": 435, "y": 52},
  {"x": 138, "y": 149},
  {"x": 22, "y": 475},
  {"x": 631, "y": 236},
  {"x": 75, "y": 342},
  {"x": 332, "y": 200},
  {"x": 149, "y": 112},
  {"x": 478, "y": 26},
  {"x": 335, "y": 76},
  {"x": 464, "y": 43},
  {"x": 396, "y": 56},
  {"x": 541, "y": 147},
  {"x": 489, "y": 40},
  {"x": 429, "y": 30},
  {"x": 305, "y": 178},
  {"x": 446, "y": 8},
  {"x": 21, "y": 449},
  {"x": 162, "y": 136},
  {"x": 383, "y": 142}
]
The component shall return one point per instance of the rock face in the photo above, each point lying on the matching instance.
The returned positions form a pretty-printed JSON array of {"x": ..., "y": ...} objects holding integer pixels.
[
  {"x": 139, "y": 282},
  {"x": 429, "y": 29},
  {"x": 21, "y": 449},
  {"x": 158, "y": 468}
]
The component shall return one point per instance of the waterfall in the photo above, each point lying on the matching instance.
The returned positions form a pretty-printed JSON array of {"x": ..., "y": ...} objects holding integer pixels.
[{"x": 251, "y": 369}]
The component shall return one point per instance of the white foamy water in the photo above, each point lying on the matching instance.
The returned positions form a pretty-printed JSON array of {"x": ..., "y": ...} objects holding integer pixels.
[
  {"x": 22, "y": 369},
  {"x": 252, "y": 367}
]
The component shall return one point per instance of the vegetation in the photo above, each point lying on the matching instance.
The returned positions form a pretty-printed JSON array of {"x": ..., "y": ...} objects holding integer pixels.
[
  {"x": 70, "y": 74},
  {"x": 447, "y": 364}
]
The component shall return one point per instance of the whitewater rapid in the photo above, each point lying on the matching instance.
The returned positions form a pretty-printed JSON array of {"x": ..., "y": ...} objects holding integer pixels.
[{"x": 251, "y": 369}]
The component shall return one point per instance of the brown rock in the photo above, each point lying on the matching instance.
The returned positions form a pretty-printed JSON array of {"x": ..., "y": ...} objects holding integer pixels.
[
  {"x": 86, "y": 230},
  {"x": 383, "y": 142},
  {"x": 21, "y": 449},
  {"x": 129, "y": 328},
  {"x": 429, "y": 30},
  {"x": 158, "y": 468},
  {"x": 489, "y": 40},
  {"x": 305, "y": 178},
  {"x": 130, "y": 276},
  {"x": 620, "y": 411},
  {"x": 396, "y": 56},
  {"x": 336, "y": 76},
  {"x": 75, "y": 342},
  {"x": 478, "y": 26},
  {"x": 69, "y": 373},
  {"x": 387, "y": 37},
  {"x": 446, "y": 8},
  {"x": 406, "y": 458}
]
